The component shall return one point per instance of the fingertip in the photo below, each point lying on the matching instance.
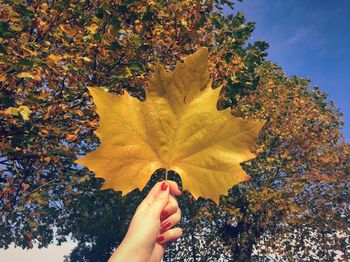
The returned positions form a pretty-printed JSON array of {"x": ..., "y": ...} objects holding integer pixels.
[
  {"x": 162, "y": 186},
  {"x": 179, "y": 192},
  {"x": 174, "y": 188},
  {"x": 180, "y": 231},
  {"x": 170, "y": 235}
]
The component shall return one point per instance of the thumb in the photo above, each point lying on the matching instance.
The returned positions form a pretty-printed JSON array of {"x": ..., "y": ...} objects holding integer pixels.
[{"x": 162, "y": 198}]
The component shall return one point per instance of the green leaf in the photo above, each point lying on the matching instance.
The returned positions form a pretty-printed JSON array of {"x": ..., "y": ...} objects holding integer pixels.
[
  {"x": 137, "y": 67},
  {"x": 99, "y": 13},
  {"x": 144, "y": 47},
  {"x": 115, "y": 22},
  {"x": 3, "y": 49},
  {"x": 26, "y": 62},
  {"x": 25, "y": 11},
  {"x": 137, "y": 41},
  {"x": 147, "y": 16},
  {"x": 115, "y": 45},
  {"x": 4, "y": 26},
  {"x": 122, "y": 9},
  {"x": 6, "y": 100},
  {"x": 98, "y": 37},
  {"x": 4, "y": 30}
]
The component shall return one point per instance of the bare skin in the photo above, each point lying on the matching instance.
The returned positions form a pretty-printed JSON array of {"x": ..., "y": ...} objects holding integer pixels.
[{"x": 152, "y": 226}]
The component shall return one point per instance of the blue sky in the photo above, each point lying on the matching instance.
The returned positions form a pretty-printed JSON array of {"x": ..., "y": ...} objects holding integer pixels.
[{"x": 308, "y": 38}]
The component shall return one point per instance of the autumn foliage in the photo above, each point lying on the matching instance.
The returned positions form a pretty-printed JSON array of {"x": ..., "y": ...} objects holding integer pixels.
[{"x": 52, "y": 51}]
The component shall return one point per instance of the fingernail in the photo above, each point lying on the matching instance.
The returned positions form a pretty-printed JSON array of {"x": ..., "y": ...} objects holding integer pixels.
[
  {"x": 159, "y": 239},
  {"x": 165, "y": 226},
  {"x": 164, "y": 214},
  {"x": 164, "y": 186}
]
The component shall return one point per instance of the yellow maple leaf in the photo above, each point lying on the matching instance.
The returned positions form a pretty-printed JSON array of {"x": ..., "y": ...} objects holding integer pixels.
[{"x": 178, "y": 127}]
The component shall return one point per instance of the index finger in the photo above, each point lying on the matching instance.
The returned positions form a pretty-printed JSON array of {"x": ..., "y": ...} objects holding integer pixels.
[{"x": 174, "y": 190}]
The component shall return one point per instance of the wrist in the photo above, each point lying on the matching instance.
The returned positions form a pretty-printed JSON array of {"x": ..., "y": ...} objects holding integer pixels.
[{"x": 126, "y": 252}]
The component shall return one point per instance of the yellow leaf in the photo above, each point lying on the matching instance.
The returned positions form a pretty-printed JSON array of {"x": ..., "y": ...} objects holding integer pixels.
[
  {"x": 92, "y": 28},
  {"x": 2, "y": 77},
  {"x": 95, "y": 19},
  {"x": 178, "y": 128},
  {"x": 25, "y": 75},
  {"x": 33, "y": 53},
  {"x": 86, "y": 59},
  {"x": 128, "y": 70},
  {"x": 67, "y": 29},
  {"x": 24, "y": 111},
  {"x": 68, "y": 56},
  {"x": 54, "y": 58},
  {"x": 10, "y": 111},
  {"x": 16, "y": 28},
  {"x": 270, "y": 159},
  {"x": 44, "y": 6},
  {"x": 183, "y": 22}
]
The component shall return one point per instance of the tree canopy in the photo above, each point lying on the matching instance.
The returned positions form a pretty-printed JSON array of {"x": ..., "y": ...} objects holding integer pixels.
[{"x": 294, "y": 205}]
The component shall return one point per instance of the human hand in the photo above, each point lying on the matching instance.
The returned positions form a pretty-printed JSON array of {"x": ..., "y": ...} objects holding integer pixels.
[{"x": 151, "y": 226}]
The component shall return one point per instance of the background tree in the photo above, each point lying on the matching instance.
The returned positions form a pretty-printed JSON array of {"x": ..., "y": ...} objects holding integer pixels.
[
  {"x": 295, "y": 203},
  {"x": 50, "y": 51}
]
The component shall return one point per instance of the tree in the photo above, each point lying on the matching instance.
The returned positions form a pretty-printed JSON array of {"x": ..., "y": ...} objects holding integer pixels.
[
  {"x": 50, "y": 51},
  {"x": 295, "y": 203}
]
